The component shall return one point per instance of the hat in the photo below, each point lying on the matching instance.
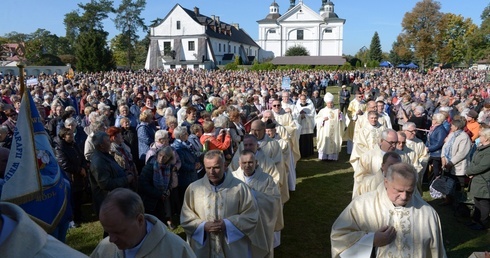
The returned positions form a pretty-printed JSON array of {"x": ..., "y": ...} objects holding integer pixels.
[
  {"x": 473, "y": 114},
  {"x": 269, "y": 124},
  {"x": 343, "y": 86},
  {"x": 328, "y": 97}
]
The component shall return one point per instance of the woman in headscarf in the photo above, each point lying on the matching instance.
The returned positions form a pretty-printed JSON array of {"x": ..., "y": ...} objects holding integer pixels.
[{"x": 155, "y": 184}]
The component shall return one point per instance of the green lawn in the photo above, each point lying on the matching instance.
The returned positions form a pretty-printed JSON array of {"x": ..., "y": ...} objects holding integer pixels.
[{"x": 323, "y": 191}]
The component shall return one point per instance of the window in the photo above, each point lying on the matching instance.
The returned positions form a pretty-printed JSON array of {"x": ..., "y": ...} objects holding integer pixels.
[
  {"x": 219, "y": 47},
  {"x": 299, "y": 34},
  {"x": 234, "y": 49},
  {"x": 191, "y": 45},
  {"x": 229, "y": 48},
  {"x": 167, "y": 47},
  {"x": 272, "y": 31},
  {"x": 178, "y": 25},
  {"x": 328, "y": 30}
]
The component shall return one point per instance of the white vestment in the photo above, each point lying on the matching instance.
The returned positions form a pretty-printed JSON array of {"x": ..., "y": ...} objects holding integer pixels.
[
  {"x": 231, "y": 201},
  {"x": 292, "y": 131},
  {"x": 367, "y": 173},
  {"x": 268, "y": 198},
  {"x": 417, "y": 225},
  {"x": 329, "y": 133},
  {"x": 365, "y": 140},
  {"x": 420, "y": 159}
]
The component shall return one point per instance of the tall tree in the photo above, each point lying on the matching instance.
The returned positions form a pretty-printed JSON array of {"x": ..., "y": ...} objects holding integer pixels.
[
  {"x": 80, "y": 24},
  {"x": 400, "y": 51},
  {"x": 454, "y": 36},
  {"x": 420, "y": 29},
  {"x": 92, "y": 52},
  {"x": 375, "y": 52},
  {"x": 128, "y": 20}
]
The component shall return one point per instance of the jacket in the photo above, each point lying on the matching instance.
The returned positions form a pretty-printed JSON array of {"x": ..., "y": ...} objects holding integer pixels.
[
  {"x": 146, "y": 136},
  {"x": 479, "y": 168},
  {"x": 461, "y": 147},
  {"x": 71, "y": 160},
  {"x": 187, "y": 172},
  {"x": 150, "y": 195},
  {"x": 105, "y": 176},
  {"x": 435, "y": 141}
]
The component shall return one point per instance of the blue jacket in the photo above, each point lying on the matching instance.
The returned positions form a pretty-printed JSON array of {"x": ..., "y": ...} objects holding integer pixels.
[
  {"x": 146, "y": 136},
  {"x": 435, "y": 141},
  {"x": 187, "y": 171}
]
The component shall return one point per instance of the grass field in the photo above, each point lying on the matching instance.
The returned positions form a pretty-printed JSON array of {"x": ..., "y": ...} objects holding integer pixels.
[{"x": 323, "y": 191}]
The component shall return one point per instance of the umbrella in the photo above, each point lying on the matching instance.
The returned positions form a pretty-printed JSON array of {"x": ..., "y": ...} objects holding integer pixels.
[{"x": 401, "y": 66}]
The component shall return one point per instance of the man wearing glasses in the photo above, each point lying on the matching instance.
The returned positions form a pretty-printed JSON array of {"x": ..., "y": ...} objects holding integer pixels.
[
  {"x": 291, "y": 129},
  {"x": 371, "y": 161},
  {"x": 421, "y": 156}
]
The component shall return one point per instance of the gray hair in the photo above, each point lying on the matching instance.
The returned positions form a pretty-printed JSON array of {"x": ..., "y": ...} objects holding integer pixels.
[
  {"x": 439, "y": 118},
  {"x": 69, "y": 121},
  {"x": 407, "y": 125},
  {"x": 167, "y": 151},
  {"x": 161, "y": 134},
  {"x": 221, "y": 121},
  {"x": 179, "y": 131},
  {"x": 402, "y": 169},
  {"x": 385, "y": 133},
  {"x": 485, "y": 133}
]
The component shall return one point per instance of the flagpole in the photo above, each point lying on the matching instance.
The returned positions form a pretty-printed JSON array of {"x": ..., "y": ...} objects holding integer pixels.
[{"x": 21, "y": 66}]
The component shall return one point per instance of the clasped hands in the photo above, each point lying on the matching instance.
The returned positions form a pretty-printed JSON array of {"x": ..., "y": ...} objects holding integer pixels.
[{"x": 216, "y": 226}]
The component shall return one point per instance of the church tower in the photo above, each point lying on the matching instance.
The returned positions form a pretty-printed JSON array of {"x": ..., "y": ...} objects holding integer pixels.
[
  {"x": 327, "y": 10},
  {"x": 274, "y": 8}
]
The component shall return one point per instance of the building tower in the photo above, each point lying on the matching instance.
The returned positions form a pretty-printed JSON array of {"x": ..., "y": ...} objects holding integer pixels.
[
  {"x": 327, "y": 10},
  {"x": 292, "y": 3}
]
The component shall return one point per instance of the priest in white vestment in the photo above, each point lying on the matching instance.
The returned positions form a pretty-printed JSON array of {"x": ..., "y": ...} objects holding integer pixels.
[
  {"x": 370, "y": 162},
  {"x": 219, "y": 214},
  {"x": 384, "y": 118},
  {"x": 365, "y": 140},
  {"x": 293, "y": 129},
  {"x": 250, "y": 143},
  {"x": 329, "y": 130},
  {"x": 421, "y": 157},
  {"x": 391, "y": 221},
  {"x": 287, "y": 154},
  {"x": 356, "y": 108},
  {"x": 266, "y": 193}
]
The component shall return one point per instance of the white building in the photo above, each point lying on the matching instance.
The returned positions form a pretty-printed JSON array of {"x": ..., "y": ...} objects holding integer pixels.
[
  {"x": 187, "y": 39},
  {"x": 320, "y": 33}
]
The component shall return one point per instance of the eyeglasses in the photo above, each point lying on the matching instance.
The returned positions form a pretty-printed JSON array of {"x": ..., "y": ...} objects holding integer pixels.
[
  {"x": 412, "y": 131},
  {"x": 278, "y": 105},
  {"x": 391, "y": 143}
]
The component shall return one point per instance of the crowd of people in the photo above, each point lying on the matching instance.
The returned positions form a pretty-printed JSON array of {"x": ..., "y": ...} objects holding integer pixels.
[{"x": 216, "y": 152}]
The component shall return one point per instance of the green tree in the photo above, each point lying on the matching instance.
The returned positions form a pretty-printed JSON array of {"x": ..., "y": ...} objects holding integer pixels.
[
  {"x": 297, "y": 50},
  {"x": 85, "y": 33},
  {"x": 128, "y": 20},
  {"x": 375, "y": 52},
  {"x": 420, "y": 30},
  {"x": 454, "y": 35},
  {"x": 399, "y": 52},
  {"x": 92, "y": 52}
]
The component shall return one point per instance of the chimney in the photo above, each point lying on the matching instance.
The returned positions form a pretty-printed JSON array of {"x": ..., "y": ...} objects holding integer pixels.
[
  {"x": 196, "y": 10},
  {"x": 217, "y": 19},
  {"x": 213, "y": 17},
  {"x": 236, "y": 25}
]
